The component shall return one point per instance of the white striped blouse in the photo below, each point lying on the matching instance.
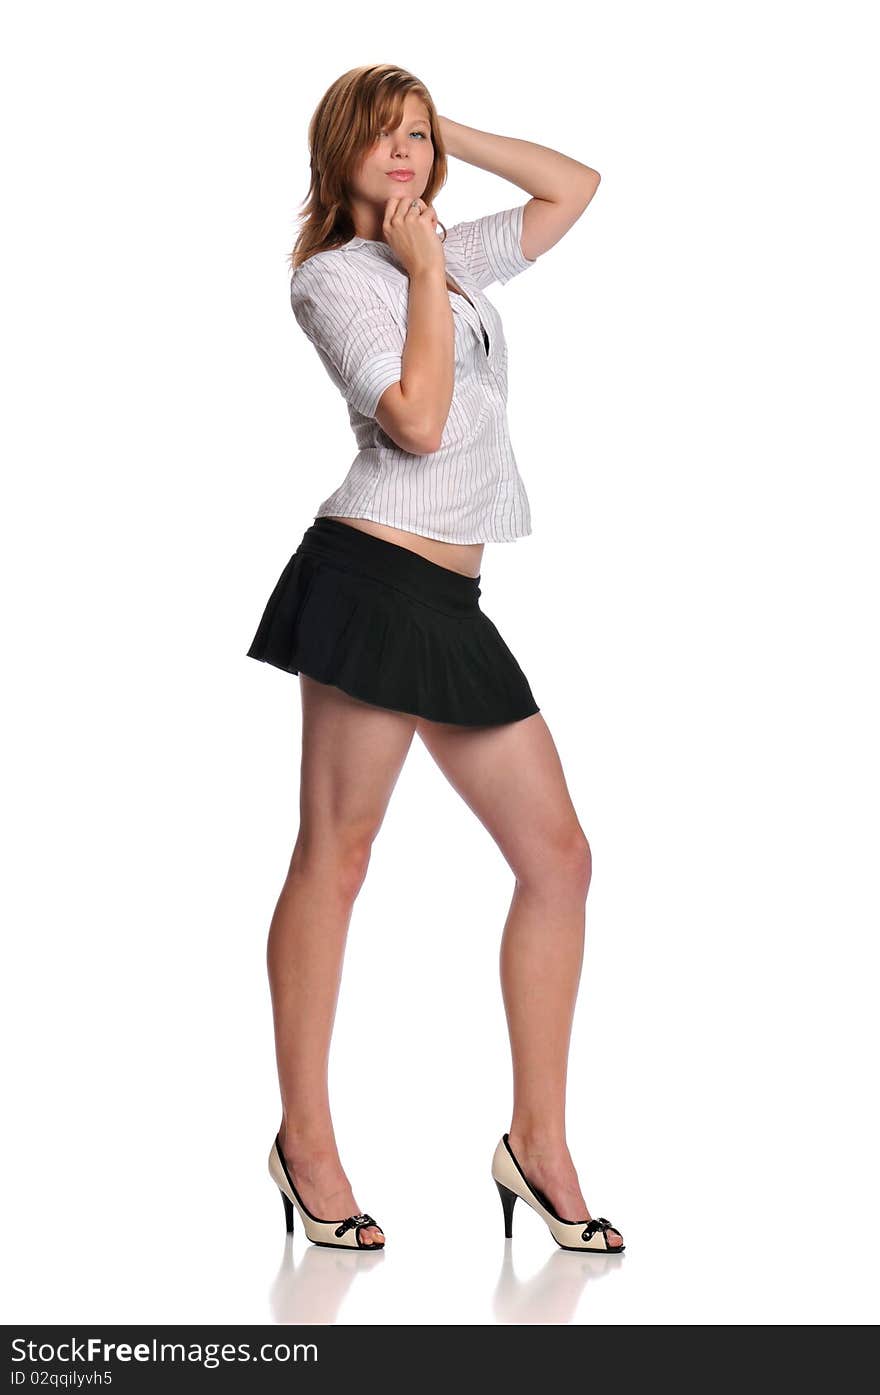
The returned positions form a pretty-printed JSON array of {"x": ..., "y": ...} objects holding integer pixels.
[{"x": 351, "y": 302}]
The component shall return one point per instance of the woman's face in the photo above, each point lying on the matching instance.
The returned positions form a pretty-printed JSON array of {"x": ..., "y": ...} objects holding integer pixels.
[{"x": 408, "y": 149}]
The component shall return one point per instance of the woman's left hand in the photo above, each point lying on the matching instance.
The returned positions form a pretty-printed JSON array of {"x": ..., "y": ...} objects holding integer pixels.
[{"x": 447, "y": 134}]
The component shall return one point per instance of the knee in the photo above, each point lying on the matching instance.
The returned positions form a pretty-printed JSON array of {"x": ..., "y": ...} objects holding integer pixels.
[
  {"x": 576, "y": 859},
  {"x": 562, "y": 859},
  {"x": 339, "y": 856}
]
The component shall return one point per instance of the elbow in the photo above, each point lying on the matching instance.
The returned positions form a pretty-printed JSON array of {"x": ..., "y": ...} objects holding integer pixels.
[
  {"x": 591, "y": 180},
  {"x": 413, "y": 432},
  {"x": 424, "y": 442},
  {"x": 414, "y": 440}
]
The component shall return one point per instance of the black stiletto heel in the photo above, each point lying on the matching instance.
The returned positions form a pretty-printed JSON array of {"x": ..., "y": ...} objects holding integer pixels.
[
  {"x": 508, "y": 1201},
  {"x": 288, "y": 1212}
]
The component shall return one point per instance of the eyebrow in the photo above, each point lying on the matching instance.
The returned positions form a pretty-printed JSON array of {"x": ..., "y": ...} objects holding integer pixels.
[{"x": 420, "y": 121}]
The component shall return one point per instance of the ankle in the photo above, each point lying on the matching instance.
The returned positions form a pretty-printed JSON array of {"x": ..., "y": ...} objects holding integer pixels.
[
  {"x": 537, "y": 1140},
  {"x": 301, "y": 1145}
]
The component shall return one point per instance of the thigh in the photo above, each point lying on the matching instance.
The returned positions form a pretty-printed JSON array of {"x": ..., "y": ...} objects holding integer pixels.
[
  {"x": 512, "y": 778},
  {"x": 352, "y": 755}
]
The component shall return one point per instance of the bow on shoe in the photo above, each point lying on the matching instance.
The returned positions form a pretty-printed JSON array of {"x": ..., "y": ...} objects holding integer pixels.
[
  {"x": 362, "y": 1219},
  {"x": 596, "y": 1224}
]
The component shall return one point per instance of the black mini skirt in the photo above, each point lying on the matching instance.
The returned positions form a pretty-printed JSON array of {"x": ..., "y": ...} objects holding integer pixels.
[{"x": 388, "y": 626}]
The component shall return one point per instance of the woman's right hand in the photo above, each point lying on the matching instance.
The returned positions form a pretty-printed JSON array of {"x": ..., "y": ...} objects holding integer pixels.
[{"x": 411, "y": 234}]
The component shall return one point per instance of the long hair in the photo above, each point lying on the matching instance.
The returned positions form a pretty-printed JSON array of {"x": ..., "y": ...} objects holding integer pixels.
[{"x": 347, "y": 122}]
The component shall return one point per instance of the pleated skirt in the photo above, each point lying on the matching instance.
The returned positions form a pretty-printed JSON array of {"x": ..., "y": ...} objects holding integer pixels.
[{"x": 389, "y": 627}]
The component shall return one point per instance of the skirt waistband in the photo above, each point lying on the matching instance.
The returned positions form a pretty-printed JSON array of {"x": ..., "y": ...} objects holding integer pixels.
[{"x": 354, "y": 551}]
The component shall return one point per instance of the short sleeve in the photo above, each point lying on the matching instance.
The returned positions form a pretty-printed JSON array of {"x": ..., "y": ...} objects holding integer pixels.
[
  {"x": 357, "y": 337},
  {"x": 490, "y": 247}
]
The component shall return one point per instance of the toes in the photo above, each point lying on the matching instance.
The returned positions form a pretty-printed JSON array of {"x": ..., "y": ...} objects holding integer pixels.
[{"x": 613, "y": 1243}]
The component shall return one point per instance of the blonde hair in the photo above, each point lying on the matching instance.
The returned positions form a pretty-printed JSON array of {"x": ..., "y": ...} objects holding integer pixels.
[{"x": 346, "y": 123}]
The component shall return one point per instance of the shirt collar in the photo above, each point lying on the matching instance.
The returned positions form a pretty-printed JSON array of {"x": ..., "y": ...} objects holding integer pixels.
[
  {"x": 378, "y": 249},
  {"x": 364, "y": 242}
]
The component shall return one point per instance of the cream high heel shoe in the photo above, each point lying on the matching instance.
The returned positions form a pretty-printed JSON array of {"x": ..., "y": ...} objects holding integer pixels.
[
  {"x": 339, "y": 1235},
  {"x": 512, "y": 1182}
]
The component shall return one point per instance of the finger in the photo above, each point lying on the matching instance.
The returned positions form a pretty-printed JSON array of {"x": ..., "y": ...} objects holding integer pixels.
[{"x": 394, "y": 208}]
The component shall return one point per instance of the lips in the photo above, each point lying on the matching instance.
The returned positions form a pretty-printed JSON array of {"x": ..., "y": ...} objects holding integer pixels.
[{"x": 402, "y": 176}]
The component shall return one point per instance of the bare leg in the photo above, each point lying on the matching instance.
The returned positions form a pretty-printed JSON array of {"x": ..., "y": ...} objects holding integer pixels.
[
  {"x": 352, "y": 755},
  {"x": 512, "y": 779}
]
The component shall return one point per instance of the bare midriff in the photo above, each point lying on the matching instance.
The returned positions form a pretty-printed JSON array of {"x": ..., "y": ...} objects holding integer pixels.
[
  {"x": 466, "y": 558},
  {"x": 458, "y": 557}
]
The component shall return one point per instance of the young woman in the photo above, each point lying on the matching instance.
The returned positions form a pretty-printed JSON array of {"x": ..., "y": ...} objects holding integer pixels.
[{"x": 378, "y": 612}]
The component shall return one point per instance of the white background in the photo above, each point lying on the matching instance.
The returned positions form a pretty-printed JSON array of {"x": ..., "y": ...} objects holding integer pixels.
[{"x": 693, "y": 405}]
